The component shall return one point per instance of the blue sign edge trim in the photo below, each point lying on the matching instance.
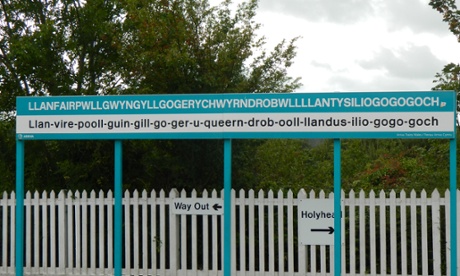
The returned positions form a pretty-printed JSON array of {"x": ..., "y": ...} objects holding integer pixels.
[
  {"x": 23, "y": 102},
  {"x": 237, "y": 135}
]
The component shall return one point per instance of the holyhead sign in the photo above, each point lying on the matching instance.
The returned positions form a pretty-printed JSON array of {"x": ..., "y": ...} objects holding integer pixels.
[{"x": 418, "y": 114}]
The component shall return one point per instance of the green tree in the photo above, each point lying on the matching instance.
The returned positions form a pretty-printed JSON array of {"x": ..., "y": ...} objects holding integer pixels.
[
  {"x": 57, "y": 48},
  {"x": 186, "y": 46},
  {"x": 395, "y": 164},
  {"x": 449, "y": 77},
  {"x": 293, "y": 164},
  {"x": 7, "y": 155},
  {"x": 368, "y": 164},
  {"x": 96, "y": 47},
  {"x": 54, "y": 48},
  {"x": 190, "y": 47},
  {"x": 283, "y": 164}
]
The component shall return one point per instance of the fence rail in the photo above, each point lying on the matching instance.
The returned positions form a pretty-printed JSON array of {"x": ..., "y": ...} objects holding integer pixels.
[{"x": 71, "y": 233}]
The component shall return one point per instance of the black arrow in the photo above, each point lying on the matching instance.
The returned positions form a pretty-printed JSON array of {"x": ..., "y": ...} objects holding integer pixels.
[
  {"x": 330, "y": 230},
  {"x": 216, "y": 207}
]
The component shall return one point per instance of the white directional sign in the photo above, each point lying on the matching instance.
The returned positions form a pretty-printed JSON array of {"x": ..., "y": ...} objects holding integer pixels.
[
  {"x": 316, "y": 221},
  {"x": 195, "y": 206}
]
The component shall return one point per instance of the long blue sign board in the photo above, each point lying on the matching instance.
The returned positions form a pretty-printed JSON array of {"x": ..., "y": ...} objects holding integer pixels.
[{"x": 420, "y": 114}]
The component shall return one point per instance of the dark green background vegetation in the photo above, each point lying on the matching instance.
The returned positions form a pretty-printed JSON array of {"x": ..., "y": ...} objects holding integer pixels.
[{"x": 99, "y": 47}]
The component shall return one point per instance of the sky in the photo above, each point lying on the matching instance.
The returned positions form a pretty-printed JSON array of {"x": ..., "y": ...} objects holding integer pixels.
[{"x": 360, "y": 45}]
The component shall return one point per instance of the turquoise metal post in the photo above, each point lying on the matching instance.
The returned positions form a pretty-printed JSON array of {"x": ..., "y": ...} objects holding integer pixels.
[
  {"x": 453, "y": 206},
  {"x": 337, "y": 209},
  {"x": 19, "y": 208},
  {"x": 227, "y": 207},
  {"x": 117, "y": 254}
]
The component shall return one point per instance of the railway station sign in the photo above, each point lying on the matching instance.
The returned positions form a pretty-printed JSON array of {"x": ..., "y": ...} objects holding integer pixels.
[{"x": 421, "y": 114}]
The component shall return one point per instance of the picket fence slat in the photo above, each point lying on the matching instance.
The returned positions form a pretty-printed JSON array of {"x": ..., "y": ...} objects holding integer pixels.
[
  {"x": 393, "y": 243},
  {"x": 362, "y": 232},
  {"x": 424, "y": 232},
  {"x": 436, "y": 229},
  {"x": 302, "y": 250},
  {"x": 133, "y": 218},
  {"x": 352, "y": 233},
  {"x": 13, "y": 232},
  {"x": 280, "y": 228},
  {"x": 71, "y": 233},
  {"x": 28, "y": 229},
  {"x": 241, "y": 225},
  {"x": 101, "y": 230},
  {"x": 270, "y": 234},
  {"x": 5, "y": 240},
  {"x": 153, "y": 232},
  {"x": 35, "y": 254},
  {"x": 215, "y": 239},
  {"x": 70, "y": 236},
  {"x": 92, "y": 233},
  {"x": 290, "y": 242},
  {"x": 61, "y": 243},
  {"x": 182, "y": 258},
  {"x": 162, "y": 238},
  {"x": 414, "y": 255},
  {"x": 403, "y": 215}
]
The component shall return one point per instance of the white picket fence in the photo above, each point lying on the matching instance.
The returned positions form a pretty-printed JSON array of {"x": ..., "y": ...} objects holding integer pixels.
[{"x": 71, "y": 234}]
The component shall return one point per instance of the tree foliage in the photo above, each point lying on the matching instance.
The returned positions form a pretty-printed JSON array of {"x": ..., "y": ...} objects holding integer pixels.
[
  {"x": 449, "y": 77},
  {"x": 188, "y": 47},
  {"x": 367, "y": 164},
  {"x": 97, "y": 47}
]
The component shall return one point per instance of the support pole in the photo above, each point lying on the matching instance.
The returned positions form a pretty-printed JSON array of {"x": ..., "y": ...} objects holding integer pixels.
[
  {"x": 453, "y": 206},
  {"x": 118, "y": 212},
  {"x": 337, "y": 209},
  {"x": 227, "y": 207},
  {"x": 19, "y": 208}
]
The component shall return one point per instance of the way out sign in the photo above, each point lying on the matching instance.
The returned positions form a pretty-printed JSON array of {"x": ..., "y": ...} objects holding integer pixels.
[
  {"x": 195, "y": 206},
  {"x": 316, "y": 221}
]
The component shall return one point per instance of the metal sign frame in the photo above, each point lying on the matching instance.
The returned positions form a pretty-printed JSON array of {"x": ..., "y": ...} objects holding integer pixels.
[{"x": 409, "y": 115}]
